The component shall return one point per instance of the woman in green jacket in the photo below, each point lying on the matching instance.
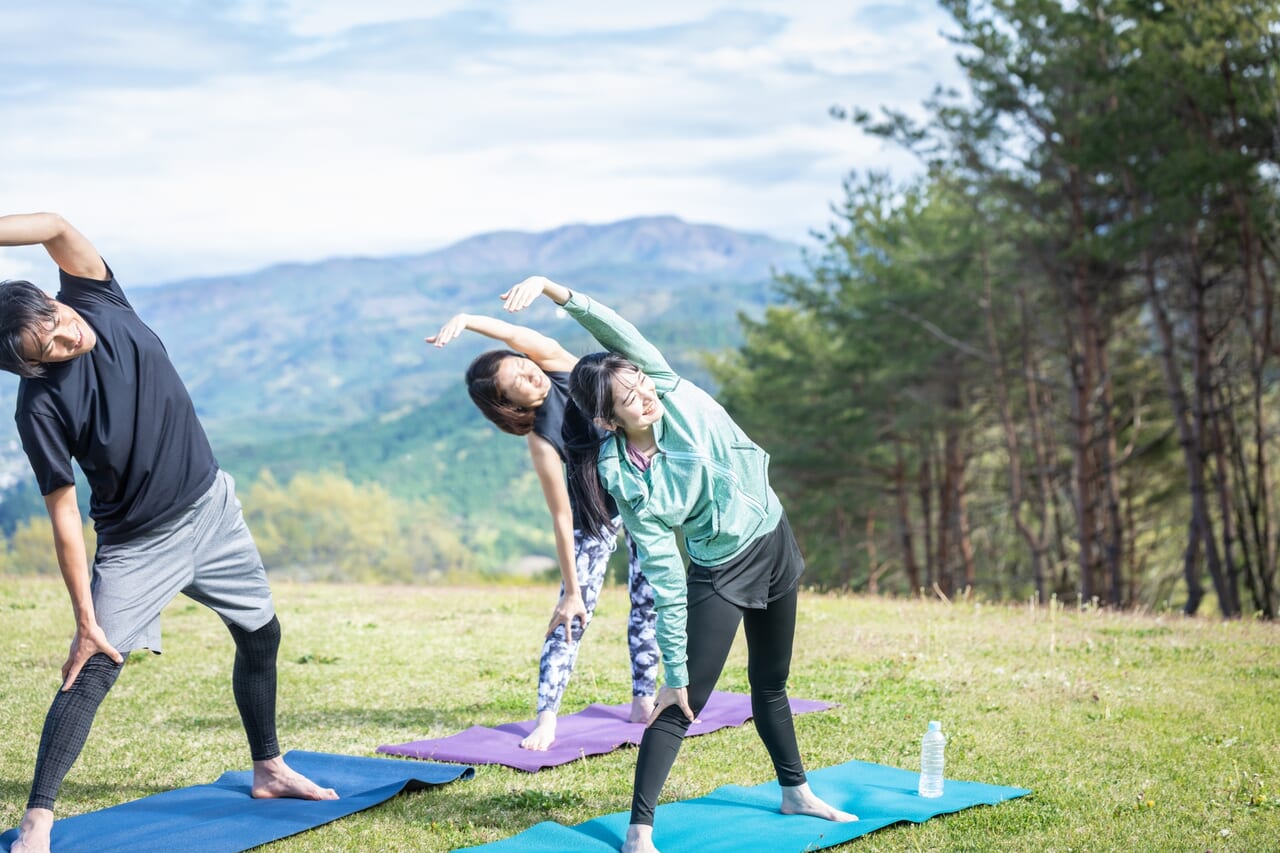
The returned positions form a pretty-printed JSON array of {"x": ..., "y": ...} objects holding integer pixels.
[
  {"x": 674, "y": 459},
  {"x": 524, "y": 390}
]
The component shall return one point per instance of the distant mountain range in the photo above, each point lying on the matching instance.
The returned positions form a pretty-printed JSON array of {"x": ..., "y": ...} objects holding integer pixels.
[{"x": 322, "y": 365}]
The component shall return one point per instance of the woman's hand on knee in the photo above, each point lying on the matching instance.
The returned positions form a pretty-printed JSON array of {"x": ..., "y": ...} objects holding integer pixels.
[
  {"x": 570, "y": 607},
  {"x": 668, "y": 696}
]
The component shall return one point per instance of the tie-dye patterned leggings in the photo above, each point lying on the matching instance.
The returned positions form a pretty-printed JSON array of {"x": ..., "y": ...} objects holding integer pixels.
[{"x": 592, "y": 556}]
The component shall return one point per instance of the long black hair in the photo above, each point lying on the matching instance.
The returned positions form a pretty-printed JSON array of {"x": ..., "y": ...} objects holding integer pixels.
[
  {"x": 591, "y": 387},
  {"x": 24, "y": 308},
  {"x": 482, "y": 385}
]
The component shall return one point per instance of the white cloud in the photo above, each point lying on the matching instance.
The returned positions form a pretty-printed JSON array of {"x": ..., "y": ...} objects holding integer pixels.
[
  {"x": 300, "y": 130},
  {"x": 27, "y": 263},
  {"x": 333, "y": 17}
]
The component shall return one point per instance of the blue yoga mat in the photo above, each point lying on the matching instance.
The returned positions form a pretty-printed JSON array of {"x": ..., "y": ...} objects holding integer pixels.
[
  {"x": 733, "y": 819},
  {"x": 222, "y": 818}
]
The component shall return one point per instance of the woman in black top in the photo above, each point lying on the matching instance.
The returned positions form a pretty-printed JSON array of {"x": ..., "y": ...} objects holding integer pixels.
[{"x": 523, "y": 390}]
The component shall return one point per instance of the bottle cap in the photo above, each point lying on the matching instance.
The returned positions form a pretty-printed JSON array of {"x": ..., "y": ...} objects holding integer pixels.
[{"x": 935, "y": 726}]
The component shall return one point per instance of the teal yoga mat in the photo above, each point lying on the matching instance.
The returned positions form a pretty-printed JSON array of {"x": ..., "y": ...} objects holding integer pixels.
[
  {"x": 221, "y": 817},
  {"x": 734, "y": 819}
]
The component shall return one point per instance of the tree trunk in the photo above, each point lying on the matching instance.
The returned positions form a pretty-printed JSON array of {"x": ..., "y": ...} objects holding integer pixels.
[
  {"x": 1200, "y": 402},
  {"x": 1045, "y": 499},
  {"x": 843, "y": 549},
  {"x": 875, "y": 567},
  {"x": 1222, "y": 484},
  {"x": 1199, "y": 526},
  {"x": 1191, "y": 568},
  {"x": 1257, "y": 313},
  {"x": 1084, "y": 350},
  {"x": 925, "y": 490},
  {"x": 1081, "y": 370},
  {"x": 1035, "y": 539},
  {"x": 1112, "y": 533},
  {"x": 963, "y": 533},
  {"x": 909, "y": 564},
  {"x": 946, "y": 513}
]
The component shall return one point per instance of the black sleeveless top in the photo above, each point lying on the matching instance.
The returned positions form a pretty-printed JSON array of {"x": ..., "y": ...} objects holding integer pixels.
[{"x": 562, "y": 423}]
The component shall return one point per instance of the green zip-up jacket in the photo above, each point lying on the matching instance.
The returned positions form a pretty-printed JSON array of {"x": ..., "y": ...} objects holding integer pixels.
[{"x": 709, "y": 479}]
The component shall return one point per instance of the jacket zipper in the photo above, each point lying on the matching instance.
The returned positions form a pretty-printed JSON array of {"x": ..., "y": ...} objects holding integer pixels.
[{"x": 718, "y": 468}]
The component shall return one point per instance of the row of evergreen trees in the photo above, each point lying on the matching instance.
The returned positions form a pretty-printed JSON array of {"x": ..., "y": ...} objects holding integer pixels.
[{"x": 1047, "y": 366}]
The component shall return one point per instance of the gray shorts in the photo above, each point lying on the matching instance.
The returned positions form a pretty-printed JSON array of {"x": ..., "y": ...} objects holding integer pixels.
[{"x": 206, "y": 553}]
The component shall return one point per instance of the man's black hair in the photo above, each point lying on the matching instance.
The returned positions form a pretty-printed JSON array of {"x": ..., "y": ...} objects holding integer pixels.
[{"x": 24, "y": 309}]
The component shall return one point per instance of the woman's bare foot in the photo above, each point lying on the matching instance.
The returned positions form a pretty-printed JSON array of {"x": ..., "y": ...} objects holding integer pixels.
[
  {"x": 275, "y": 779},
  {"x": 641, "y": 709},
  {"x": 639, "y": 839},
  {"x": 801, "y": 800},
  {"x": 33, "y": 832},
  {"x": 543, "y": 734}
]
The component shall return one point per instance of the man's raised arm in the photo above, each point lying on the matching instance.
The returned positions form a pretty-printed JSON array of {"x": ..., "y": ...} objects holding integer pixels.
[{"x": 70, "y": 250}]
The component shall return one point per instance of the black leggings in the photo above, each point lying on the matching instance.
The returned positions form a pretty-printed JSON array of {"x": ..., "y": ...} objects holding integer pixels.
[
  {"x": 253, "y": 681},
  {"x": 66, "y": 726},
  {"x": 713, "y": 622}
]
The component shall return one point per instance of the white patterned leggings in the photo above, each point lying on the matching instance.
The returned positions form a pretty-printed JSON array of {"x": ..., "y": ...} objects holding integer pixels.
[{"x": 591, "y": 555}]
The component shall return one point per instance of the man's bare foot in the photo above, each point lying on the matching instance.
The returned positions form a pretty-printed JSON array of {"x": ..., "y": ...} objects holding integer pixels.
[
  {"x": 801, "y": 800},
  {"x": 639, "y": 839},
  {"x": 543, "y": 734},
  {"x": 275, "y": 779},
  {"x": 641, "y": 709},
  {"x": 33, "y": 832}
]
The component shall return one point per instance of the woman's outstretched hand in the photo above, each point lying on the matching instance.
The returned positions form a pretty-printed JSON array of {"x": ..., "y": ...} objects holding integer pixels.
[
  {"x": 450, "y": 330},
  {"x": 523, "y": 294}
]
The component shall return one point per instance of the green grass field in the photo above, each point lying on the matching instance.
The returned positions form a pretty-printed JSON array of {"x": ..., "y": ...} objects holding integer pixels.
[{"x": 1135, "y": 732}]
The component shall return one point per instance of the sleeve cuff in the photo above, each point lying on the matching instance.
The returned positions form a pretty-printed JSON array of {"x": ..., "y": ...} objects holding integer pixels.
[{"x": 676, "y": 676}]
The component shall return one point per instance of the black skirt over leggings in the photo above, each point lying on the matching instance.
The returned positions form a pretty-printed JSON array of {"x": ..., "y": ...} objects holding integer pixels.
[{"x": 712, "y": 625}]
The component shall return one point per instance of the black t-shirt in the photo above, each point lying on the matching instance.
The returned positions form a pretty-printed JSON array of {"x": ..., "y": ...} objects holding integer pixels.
[
  {"x": 122, "y": 412},
  {"x": 562, "y": 423}
]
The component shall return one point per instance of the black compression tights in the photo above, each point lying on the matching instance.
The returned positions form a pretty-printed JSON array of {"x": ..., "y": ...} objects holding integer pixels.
[
  {"x": 253, "y": 680},
  {"x": 712, "y": 624},
  {"x": 66, "y": 726}
]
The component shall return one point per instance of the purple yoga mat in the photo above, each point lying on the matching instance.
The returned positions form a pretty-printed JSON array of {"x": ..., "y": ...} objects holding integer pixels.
[{"x": 594, "y": 730}]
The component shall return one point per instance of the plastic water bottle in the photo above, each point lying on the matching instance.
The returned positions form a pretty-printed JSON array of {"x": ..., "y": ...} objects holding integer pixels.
[{"x": 932, "y": 760}]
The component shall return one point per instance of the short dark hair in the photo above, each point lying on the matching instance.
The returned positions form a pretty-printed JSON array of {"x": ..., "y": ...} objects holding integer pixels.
[
  {"x": 482, "y": 385},
  {"x": 24, "y": 308}
]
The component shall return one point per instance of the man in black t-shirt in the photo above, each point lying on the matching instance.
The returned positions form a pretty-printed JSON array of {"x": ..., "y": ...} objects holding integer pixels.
[{"x": 97, "y": 386}]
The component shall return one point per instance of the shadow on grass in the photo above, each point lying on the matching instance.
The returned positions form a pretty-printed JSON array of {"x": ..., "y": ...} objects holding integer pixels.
[
  {"x": 513, "y": 812},
  {"x": 537, "y": 803},
  {"x": 416, "y": 721},
  {"x": 80, "y": 792}
]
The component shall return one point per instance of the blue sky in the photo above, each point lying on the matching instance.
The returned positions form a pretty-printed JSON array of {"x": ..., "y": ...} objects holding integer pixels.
[{"x": 196, "y": 137}]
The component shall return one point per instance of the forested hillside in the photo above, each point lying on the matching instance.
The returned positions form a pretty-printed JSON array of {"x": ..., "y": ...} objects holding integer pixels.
[{"x": 307, "y": 368}]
